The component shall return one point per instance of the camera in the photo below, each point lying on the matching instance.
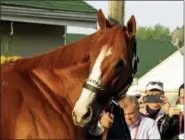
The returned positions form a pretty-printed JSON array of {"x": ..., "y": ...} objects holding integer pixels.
[{"x": 153, "y": 99}]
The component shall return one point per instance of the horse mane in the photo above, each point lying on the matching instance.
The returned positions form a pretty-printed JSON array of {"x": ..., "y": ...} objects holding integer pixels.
[{"x": 61, "y": 57}]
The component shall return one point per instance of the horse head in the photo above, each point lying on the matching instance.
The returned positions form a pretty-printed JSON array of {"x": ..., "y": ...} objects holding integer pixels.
[{"x": 110, "y": 70}]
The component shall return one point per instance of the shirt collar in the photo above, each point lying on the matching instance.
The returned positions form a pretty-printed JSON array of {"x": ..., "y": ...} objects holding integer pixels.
[
  {"x": 161, "y": 112},
  {"x": 134, "y": 125}
]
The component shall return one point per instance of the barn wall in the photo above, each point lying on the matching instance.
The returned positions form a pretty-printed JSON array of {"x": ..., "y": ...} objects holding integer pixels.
[{"x": 32, "y": 39}]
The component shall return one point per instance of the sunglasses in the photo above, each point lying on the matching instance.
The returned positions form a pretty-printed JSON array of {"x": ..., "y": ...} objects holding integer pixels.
[{"x": 155, "y": 83}]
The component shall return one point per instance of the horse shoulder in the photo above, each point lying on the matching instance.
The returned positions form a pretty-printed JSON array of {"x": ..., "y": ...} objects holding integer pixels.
[{"x": 26, "y": 113}]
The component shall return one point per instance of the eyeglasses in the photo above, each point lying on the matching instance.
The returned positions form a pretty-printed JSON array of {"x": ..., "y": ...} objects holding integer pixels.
[{"x": 155, "y": 83}]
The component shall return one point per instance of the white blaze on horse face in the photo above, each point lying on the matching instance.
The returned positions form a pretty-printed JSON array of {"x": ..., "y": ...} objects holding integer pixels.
[
  {"x": 96, "y": 71},
  {"x": 88, "y": 96}
]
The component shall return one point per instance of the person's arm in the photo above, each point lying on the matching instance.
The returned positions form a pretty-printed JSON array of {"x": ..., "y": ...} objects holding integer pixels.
[
  {"x": 97, "y": 130},
  {"x": 166, "y": 124},
  {"x": 169, "y": 120},
  {"x": 153, "y": 132}
]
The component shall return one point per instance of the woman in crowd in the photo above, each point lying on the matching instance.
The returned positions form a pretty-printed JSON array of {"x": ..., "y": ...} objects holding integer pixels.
[{"x": 175, "y": 121}]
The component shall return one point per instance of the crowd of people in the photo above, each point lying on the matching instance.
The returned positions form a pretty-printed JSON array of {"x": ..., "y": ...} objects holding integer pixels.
[{"x": 149, "y": 116}]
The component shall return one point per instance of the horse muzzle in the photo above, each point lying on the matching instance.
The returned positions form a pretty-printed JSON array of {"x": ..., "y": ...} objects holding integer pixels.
[{"x": 82, "y": 117}]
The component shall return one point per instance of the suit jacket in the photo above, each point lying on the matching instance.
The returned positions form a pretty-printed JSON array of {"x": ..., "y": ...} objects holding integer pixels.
[{"x": 119, "y": 128}]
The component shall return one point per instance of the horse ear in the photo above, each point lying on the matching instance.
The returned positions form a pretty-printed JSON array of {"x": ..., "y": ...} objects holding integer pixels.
[
  {"x": 102, "y": 21},
  {"x": 131, "y": 27}
]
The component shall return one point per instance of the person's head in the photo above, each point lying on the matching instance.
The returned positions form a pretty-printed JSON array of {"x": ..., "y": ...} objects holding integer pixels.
[
  {"x": 181, "y": 95},
  {"x": 131, "y": 109},
  {"x": 154, "y": 88}
]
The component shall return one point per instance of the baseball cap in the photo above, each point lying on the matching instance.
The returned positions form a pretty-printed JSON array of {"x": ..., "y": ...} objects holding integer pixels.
[{"x": 154, "y": 85}]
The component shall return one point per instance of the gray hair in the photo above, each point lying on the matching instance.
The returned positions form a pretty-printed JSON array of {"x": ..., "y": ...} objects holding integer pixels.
[{"x": 131, "y": 99}]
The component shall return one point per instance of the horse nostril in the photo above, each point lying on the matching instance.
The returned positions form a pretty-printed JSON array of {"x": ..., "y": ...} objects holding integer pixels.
[
  {"x": 73, "y": 114},
  {"x": 87, "y": 114}
]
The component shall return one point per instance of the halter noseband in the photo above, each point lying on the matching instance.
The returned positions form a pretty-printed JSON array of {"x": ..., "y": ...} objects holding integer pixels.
[{"x": 94, "y": 87}]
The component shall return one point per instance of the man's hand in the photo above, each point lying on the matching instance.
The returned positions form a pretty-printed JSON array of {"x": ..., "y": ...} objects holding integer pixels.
[
  {"x": 106, "y": 120},
  {"x": 174, "y": 110},
  {"x": 141, "y": 99}
]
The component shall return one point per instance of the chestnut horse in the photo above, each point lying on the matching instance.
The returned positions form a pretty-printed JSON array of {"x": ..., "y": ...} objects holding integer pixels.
[{"x": 56, "y": 94}]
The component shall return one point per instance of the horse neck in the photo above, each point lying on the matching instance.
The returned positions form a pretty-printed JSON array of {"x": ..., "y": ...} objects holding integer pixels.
[
  {"x": 61, "y": 72},
  {"x": 73, "y": 84},
  {"x": 61, "y": 87}
]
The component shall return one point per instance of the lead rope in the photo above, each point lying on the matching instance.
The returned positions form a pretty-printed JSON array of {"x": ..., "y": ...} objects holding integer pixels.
[{"x": 137, "y": 128}]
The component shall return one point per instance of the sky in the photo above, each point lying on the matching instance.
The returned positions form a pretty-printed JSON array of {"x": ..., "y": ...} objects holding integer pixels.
[{"x": 147, "y": 13}]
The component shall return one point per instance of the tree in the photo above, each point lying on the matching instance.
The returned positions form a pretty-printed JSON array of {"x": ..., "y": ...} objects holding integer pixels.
[
  {"x": 161, "y": 32},
  {"x": 157, "y": 32}
]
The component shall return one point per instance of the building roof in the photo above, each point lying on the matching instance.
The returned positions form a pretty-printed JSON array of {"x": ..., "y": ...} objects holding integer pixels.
[
  {"x": 70, "y": 13},
  {"x": 170, "y": 72},
  {"x": 150, "y": 52},
  {"x": 70, "y": 5}
]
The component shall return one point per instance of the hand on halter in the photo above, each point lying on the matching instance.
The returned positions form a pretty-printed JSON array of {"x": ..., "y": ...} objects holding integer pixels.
[{"x": 106, "y": 120}]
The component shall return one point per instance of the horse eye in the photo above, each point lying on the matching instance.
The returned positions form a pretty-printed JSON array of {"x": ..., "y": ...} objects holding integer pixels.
[{"x": 119, "y": 64}]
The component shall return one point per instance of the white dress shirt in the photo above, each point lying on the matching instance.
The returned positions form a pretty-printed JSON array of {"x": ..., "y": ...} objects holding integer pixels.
[{"x": 147, "y": 129}]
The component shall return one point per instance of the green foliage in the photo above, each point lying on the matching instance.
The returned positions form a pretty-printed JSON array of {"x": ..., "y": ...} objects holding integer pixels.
[
  {"x": 157, "y": 32},
  {"x": 6, "y": 59}
]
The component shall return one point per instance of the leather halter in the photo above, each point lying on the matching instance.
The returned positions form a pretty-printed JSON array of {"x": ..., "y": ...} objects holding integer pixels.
[{"x": 94, "y": 86}]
